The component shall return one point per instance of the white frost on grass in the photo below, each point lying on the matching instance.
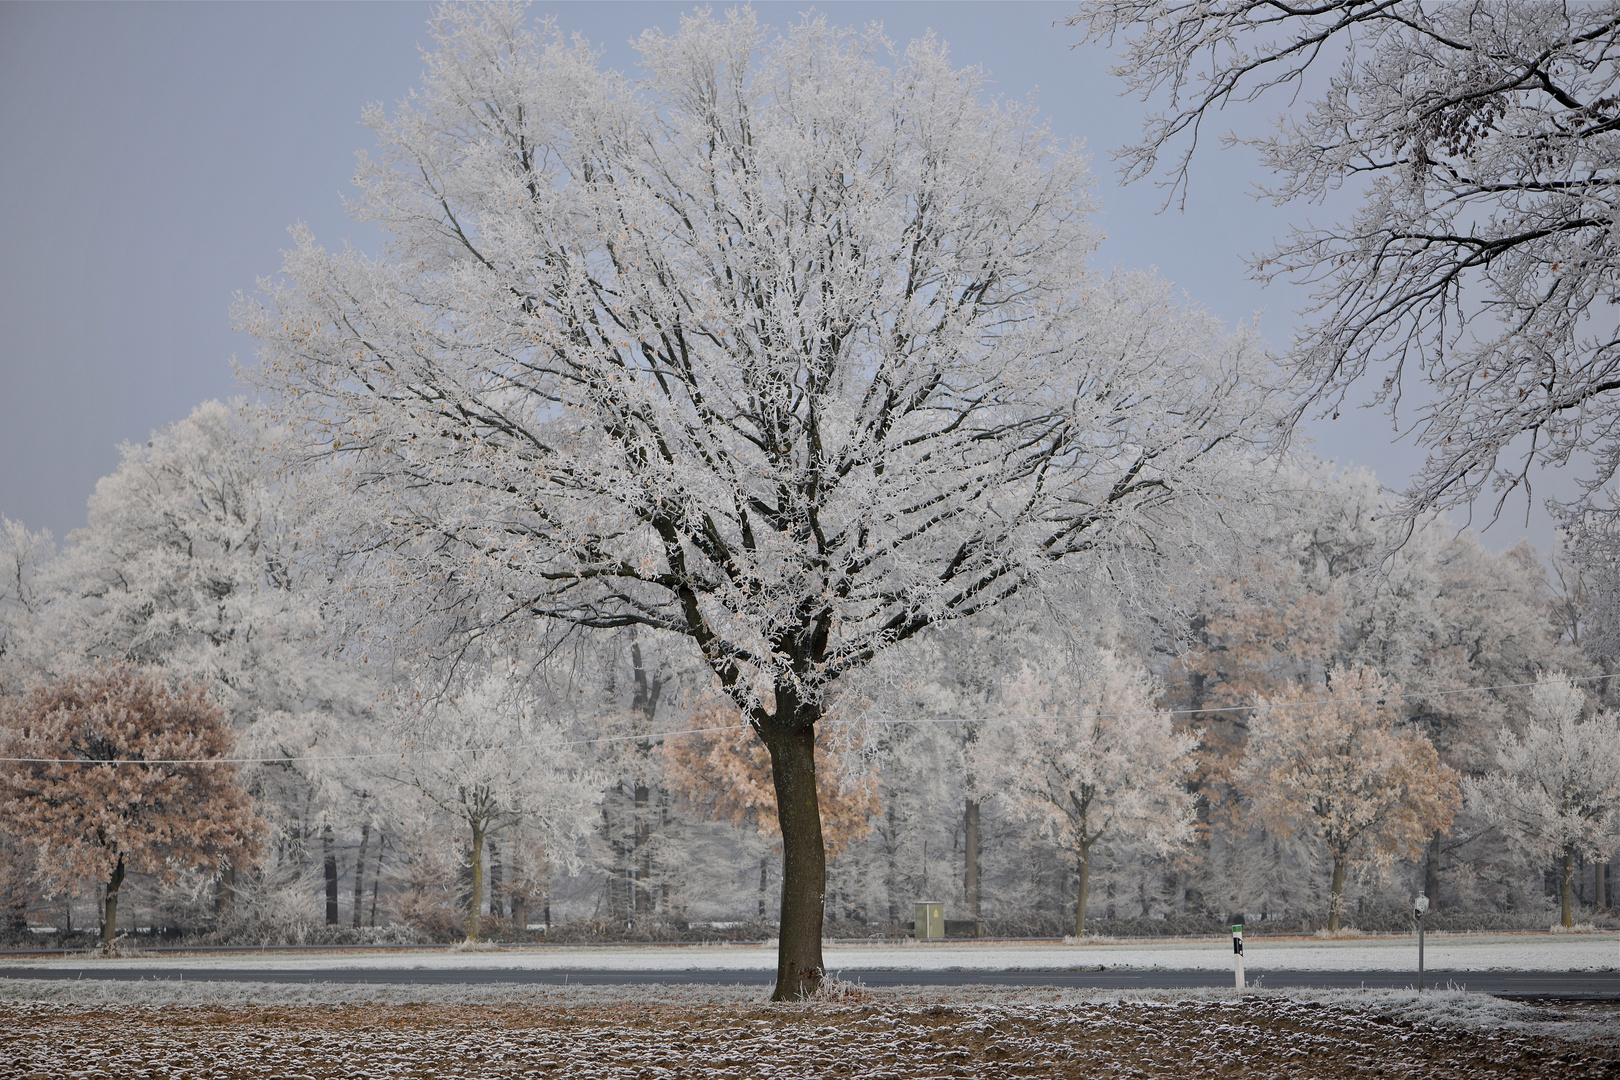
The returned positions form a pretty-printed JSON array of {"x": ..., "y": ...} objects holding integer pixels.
[
  {"x": 1454, "y": 1009},
  {"x": 1460, "y": 952}
]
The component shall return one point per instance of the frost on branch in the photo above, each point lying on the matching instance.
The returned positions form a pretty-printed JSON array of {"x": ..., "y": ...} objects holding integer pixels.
[
  {"x": 1557, "y": 791},
  {"x": 791, "y": 348},
  {"x": 1480, "y": 141},
  {"x": 1085, "y": 756}
]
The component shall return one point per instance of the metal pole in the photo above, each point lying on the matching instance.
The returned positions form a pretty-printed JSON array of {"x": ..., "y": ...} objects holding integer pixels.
[
  {"x": 1420, "y": 953},
  {"x": 1237, "y": 954},
  {"x": 1420, "y": 905}
]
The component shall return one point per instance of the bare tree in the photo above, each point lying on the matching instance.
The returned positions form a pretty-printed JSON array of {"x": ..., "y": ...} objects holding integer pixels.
[{"x": 1483, "y": 140}]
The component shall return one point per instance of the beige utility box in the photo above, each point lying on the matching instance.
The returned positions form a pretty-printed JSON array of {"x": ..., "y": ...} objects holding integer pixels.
[{"x": 930, "y": 920}]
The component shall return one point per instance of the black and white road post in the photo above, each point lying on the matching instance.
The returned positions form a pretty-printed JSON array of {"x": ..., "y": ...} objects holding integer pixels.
[
  {"x": 1237, "y": 953},
  {"x": 1419, "y": 906}
]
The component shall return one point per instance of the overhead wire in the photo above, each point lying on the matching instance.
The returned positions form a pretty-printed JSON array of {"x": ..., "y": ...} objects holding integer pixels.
[{"x": 660, "y": 736}]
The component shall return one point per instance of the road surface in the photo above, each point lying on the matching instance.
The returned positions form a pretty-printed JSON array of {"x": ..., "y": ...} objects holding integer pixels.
[{"x": 1574, "y": 984}]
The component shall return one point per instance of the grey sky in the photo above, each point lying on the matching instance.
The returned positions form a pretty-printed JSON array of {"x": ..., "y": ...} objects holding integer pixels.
[{"x": 152, "y": 157}]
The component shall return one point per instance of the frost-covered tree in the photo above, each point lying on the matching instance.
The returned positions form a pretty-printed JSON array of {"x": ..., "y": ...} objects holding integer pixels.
[
  {"x": 100, "y": 780},
  {"x": 1336, "y": 761},
  {"x": 1481, "y": 140},
  {"x": 790, "y": 348},
  {"x": 493, "y": 761},
  {"x": 188, "y": 562},
  {"x": 1085, "y": 756},
  {"x": 192, "y": 560},
  {"x": 22, "y": 556},
  {"x": 1557, "y": 791}
]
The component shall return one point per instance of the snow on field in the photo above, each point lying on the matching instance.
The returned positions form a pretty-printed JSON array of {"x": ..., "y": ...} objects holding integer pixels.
[
  {"x": 1445, "y": 952},
  {"x": 896, "y": 1038}
]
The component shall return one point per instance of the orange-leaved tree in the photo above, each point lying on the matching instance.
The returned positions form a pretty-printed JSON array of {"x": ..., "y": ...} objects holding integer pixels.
[
  {"x": 726, "y": 776},
  {"x": 1337, "y": 760},
  {"x": 112, "y": 771}
]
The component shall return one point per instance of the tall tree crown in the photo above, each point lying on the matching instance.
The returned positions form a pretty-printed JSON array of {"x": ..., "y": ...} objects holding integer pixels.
[{"x": 780, "y": 348}]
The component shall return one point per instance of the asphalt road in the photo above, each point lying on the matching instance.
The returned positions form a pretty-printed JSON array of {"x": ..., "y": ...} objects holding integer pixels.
[{"x": 1578, "y": 984}]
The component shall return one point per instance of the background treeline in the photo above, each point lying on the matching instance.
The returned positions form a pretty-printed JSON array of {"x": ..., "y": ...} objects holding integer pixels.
[{"x": 596, "y": 784}]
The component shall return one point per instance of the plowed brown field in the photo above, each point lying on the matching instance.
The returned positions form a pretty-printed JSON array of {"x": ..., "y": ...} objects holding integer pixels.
[{"x": 1251, "y": 1038}]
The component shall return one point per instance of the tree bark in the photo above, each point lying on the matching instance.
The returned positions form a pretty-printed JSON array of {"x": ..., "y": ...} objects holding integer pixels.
[
  {"x": 1600, "y": 885},
  {"x": 520, "y": 912},
  {"x": 804, "y": 858},
  {"x": 330, "y": 853},
  {"x": 970, "y": 857},
  {"x": 360, "y": 873},
  {"x": 1431, "y": 873},
  {"x": 1084, "y": 887},
  {"x": 1336, "y": 897},
  {"x": 477, "y": 881},
  {"x": 109, "y": 921},
  {"x": 1568, "y": 891}
]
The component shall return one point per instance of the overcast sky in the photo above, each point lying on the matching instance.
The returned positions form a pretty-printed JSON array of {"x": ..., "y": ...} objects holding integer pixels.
[{"x": 153, "y": 156}]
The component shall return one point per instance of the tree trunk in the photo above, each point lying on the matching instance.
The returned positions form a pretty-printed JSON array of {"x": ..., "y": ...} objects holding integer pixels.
[
  {"x": 1568, "y": 890},
  {"x": 1337, "y": 896},
  {"x": 109, "y": 921},
  {"x": 891, "y": 882},
  {"x": 224, "y": 892},
  {"x": 970, "y": 857},
  {"x": 330, "y": 853},
  {"x": 520, "y": 912},
  {"x": 376, "y": 878},
  {"x": 1080, "y": 894},
  {"x": 804, "y": 858},
  {"x": 642, "y": 833},
  {"x": 618, "y": 882},
  {"x": 1431, "y": 873},
  {"x": 360, "y": 873},
  {"x": 1600, "y": 885},
  {"x": 496, "y": 902},
  {"x": 477, "y": 881},
  {"x": 764, "y": 883}
]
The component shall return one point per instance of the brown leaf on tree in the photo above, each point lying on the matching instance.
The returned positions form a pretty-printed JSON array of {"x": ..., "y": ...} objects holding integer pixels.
[{"x": 111, "y": 786}]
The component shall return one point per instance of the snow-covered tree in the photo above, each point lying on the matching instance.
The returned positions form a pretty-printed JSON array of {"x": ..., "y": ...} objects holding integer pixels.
[
  {"x": 97, "y": 780},
  {"x": 790, "y": 348},
  {"x": 1336, "y": 761},
  {"x": 1086, "y": 756},
  {"x": 1480, "y": 139},
  {"x": 493, "y": 760},
  {"x": 1557, "y": 792}
]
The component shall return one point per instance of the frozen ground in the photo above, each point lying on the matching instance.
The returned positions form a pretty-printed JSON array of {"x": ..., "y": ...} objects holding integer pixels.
[
  {"x": 1444, "y": 952},
  {"x": 97, "y": 1030}
]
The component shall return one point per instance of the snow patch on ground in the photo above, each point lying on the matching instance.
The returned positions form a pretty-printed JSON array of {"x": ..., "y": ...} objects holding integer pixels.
[{"x": 1444, "y": 952}]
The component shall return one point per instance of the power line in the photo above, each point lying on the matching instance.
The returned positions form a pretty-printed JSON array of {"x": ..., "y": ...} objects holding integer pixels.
[{"x": 659, "y": 736}]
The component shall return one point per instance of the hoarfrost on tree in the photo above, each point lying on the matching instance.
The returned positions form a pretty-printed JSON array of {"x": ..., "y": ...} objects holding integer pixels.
[
  {"x": 790, "y": 347},
  {"x": 1557, "y": 789}
]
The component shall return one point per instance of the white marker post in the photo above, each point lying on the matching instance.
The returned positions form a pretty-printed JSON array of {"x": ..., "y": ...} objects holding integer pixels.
[
  {"x": 1419, "y": 906},
  {"x": 1237, "y": 953}
]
